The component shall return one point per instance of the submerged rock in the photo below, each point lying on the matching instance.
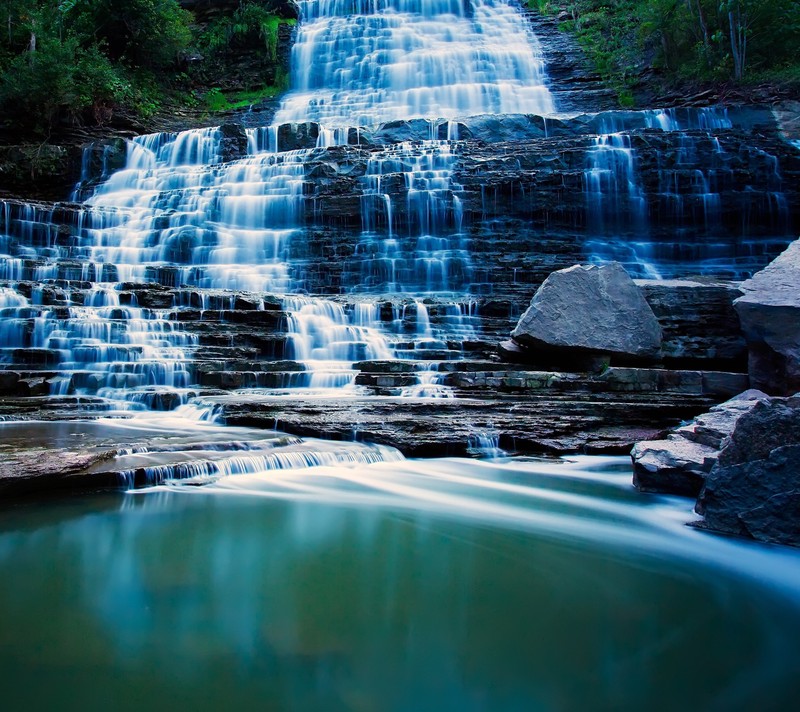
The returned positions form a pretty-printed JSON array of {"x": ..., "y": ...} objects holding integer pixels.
[
  {"x": 590, "y": 309},
  {"x": 769, "y": 313}
]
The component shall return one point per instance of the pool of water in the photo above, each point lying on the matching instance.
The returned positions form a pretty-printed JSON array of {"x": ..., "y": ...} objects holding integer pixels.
[{"x": 414, "y": 585}]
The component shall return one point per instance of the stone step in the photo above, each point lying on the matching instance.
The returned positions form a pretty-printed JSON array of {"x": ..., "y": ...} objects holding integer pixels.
[{"x": 385, "y": 378}]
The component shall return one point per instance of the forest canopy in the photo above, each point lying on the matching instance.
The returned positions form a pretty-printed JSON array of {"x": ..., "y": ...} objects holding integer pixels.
[
  {"x": 708, "y": 40},
  {"x": 80, "y": 60}
]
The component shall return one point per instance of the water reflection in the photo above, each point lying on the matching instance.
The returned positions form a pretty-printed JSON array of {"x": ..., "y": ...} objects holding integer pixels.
[{"x": 514, "y": 585}]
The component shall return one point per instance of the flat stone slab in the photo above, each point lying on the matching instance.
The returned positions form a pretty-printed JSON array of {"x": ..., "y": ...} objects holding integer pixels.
[
  {"x": 681, "y": 463},
  {"x": 544, "y": 424},
  {"x": 41, "y": 469},
  {"x": 675, "y": 465}
]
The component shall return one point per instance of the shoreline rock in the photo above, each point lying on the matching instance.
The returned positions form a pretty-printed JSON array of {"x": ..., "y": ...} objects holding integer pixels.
[
  {"x": 754, "y": 489},
  {"x": 742, "y": 462},
  {"x": 680, "y": 463},
  {"x": 769, "y": 312}
]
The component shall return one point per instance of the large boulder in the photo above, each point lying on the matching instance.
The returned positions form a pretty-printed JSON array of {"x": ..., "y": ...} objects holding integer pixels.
[
  {"x": 681, "y": 463},
  {"x": 590, "y": 309},
  {"x": 769, "y": 313},
  {"x": 754, "y": 489}
]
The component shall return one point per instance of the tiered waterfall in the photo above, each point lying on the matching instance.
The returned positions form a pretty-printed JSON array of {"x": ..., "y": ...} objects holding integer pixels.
[{"x": 415, "y": 185}]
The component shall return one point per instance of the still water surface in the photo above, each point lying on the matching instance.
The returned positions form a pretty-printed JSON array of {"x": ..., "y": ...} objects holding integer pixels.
[{"x": 414, "y": 585}]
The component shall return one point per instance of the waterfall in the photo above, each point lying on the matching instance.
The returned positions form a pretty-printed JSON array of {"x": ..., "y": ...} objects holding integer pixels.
[
  {"x": 176, "y": 215},
  {"x": 187, "y": 269},
  {"x": 364, "y": 63}
]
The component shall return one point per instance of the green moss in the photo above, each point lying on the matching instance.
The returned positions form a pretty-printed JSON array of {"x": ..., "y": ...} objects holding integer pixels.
[
  {"x": 218, "y": 100},
  {"x": 248, "y": 22}
]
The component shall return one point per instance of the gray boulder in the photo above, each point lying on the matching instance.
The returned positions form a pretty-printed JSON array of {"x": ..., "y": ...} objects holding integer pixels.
[
  {"x": 681, "y": 463},
  {"x": 769, "y": 313},
  {"x": 759, "y": 499},
  {"x": 754, "y": 489},
  {"x": 769, "y": 424},
  {"x": 595, "y": 309}
]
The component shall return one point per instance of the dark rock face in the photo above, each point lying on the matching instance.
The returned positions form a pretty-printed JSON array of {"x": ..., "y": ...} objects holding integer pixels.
[
  {"x": 759, "y": 499},
  {"x": 681, "y": 463},
  {"x": 698, "y": 321},
  {"x": 575, "y": 86},
  {"x": 770, "y": 316},
  {"x": 768, "y": 425},
  {"x": 590, "y": 309},
  {"x": 233, "y": 144},
  {"x": 754, "y": 488},
  {"x": 525, "y": 210}
]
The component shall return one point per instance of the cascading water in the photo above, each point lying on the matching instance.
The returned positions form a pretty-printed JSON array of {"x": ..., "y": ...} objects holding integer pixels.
[
  {"x": 624, "y": 216},
  {"x": 362, "y": 63},
  {"x": 333, "y": 575},
  {"x": 159, "y": 288},
  {"x": 177, "y": 215}
]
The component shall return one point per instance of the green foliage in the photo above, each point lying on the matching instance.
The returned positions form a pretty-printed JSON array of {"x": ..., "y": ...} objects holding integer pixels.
[
  {"x": 685, "y": 39},
  {"x": 82, "y": 60},
  {"x": 78, "y": 59},
  {"x": 61, "y": 77},
  {"x": 545, "y": 7},
  {"x": 141, "y": 33},
  {"x": 217, "y": 100},
  {"x": 251, "y": 22}
]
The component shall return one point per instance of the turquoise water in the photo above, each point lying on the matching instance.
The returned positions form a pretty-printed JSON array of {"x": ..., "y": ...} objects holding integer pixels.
[{"x": 416, "y": 585}]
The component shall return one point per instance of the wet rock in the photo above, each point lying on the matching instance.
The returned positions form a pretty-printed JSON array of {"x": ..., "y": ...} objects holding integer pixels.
[
  {"x": 570, "y": 75},
  {"x": 553, "y": 416},
  {"x": 698, "y": 321},
  {"x": 385, "y": 366},
  {"x": 292, "y": 137},
  {"x": 673, "y": 466},
  {"x": 758, "y": 498},
  {"x": 402, "y": 130},
  {"x": 770, "y": 316},
  {"x": 40, "y": 469},
  {"x": 102, "y": 158},
  {"x": 680, "y": 463},
  {"x": 590, "y": 309},
  {"x": 233, "y": 142}
]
